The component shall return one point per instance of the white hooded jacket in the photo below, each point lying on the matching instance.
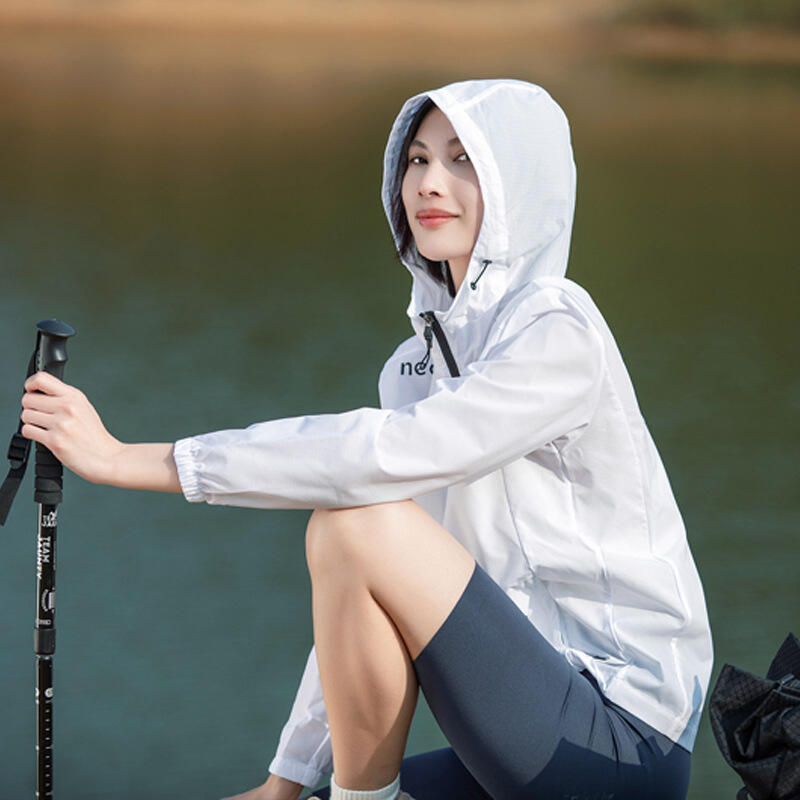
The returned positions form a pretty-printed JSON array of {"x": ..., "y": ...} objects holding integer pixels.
[{"x": 530, "y": 448}]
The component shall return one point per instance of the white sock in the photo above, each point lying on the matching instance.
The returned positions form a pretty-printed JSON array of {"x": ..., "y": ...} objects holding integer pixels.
[{"x": 389, "y": 792}]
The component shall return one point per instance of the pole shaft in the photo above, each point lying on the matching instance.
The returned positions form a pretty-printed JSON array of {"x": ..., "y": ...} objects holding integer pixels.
[
  {"x": 44, "y": 645},
  {"x": 44, "y": 728}
]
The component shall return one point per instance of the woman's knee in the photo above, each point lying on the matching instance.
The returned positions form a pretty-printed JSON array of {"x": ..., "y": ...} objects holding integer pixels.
[
  {"x": 339, "y": 537},
  {"x": 325, "y": 535}
]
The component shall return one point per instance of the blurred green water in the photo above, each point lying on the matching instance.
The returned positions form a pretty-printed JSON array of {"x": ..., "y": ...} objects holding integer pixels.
[{"x": 221, "y": 250}]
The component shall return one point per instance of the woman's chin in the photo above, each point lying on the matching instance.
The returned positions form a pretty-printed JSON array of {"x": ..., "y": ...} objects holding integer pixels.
[{"x": 434, "y": 254}]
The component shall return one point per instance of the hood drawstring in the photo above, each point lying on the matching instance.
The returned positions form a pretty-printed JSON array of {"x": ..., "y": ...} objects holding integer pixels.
[
  {"x": 448, "y": 276},
  {"x": 422, "y": 364},
  {"x": 430, "y": 321},
  {"x": 474, "y": 284}
]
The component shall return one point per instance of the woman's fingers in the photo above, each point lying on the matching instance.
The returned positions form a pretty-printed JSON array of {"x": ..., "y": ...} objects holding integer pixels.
[
  {"x": 47, "y": 404},
  {"x": 47, "y": 383},
  {"x": 46, "y": 394},
  {"x": 43, "y": 413},
  {"x": 36, "y": 401},
  {"x": 36, "y": 434},
  {"x": 39, "y": 419}
]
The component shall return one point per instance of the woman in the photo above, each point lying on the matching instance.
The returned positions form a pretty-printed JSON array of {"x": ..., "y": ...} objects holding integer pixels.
[{"x": 501, "y": 532}]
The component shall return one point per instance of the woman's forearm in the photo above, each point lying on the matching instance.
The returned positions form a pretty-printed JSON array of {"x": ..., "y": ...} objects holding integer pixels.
[
  {"x": 144, "y": 466},
  {"x": 277, "y": 788}
]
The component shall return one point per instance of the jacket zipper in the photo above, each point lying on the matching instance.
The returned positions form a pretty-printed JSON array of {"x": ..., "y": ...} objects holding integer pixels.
[{"x": 433, "y": 328}]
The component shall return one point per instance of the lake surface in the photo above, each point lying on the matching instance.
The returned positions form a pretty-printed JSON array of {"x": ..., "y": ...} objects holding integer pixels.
[{"x": 209, "y": 222}]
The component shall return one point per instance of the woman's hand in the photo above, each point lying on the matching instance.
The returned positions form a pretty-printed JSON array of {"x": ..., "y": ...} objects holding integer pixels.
[
  {"x": 61, "y": 418},
  {"x": 275, "y": 788}
]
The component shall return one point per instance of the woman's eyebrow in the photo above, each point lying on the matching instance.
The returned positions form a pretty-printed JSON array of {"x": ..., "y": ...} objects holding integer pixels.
[{"x": 420, "y": 143}]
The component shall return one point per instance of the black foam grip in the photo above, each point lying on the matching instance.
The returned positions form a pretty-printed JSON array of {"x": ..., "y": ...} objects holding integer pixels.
[
  {"x": 48, "y": 483},
  {"x": 44, "y": 641}
]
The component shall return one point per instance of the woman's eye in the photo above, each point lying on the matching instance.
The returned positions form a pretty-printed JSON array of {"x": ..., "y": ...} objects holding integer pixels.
[
  {"x": 417, "y": 160},
  {"x": 462, "y": 157}
]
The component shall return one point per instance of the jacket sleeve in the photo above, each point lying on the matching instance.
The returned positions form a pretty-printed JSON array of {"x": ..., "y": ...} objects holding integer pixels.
[
  {"x": 304, "y": 749},
  {"x": 526, "y": 391}
]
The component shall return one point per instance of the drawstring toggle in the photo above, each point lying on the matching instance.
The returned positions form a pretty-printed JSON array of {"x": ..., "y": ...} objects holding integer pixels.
[{"x": 474, "y": 284}]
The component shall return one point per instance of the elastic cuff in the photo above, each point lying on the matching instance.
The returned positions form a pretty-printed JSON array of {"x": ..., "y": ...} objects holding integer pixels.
[
  {"x": 187, "y": 471},
  {"x": 295, "y": 771}
]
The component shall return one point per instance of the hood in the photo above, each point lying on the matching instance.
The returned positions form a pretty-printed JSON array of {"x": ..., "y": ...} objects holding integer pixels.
[{"x": 518, "y": 140}]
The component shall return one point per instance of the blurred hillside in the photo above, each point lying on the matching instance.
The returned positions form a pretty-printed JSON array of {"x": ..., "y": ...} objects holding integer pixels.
[{"x": 710, "y": 13}]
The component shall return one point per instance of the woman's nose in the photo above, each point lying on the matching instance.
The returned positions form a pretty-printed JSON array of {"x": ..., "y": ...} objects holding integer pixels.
[{"x": 432, "y": 182}]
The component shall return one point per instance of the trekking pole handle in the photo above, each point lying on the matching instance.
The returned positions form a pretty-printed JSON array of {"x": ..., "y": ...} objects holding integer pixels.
[{"x": 51, "y": 355}]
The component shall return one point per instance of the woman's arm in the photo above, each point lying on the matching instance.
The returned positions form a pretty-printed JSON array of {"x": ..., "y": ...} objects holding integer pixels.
[
  {"x": 61, "y": 418},
  {"x": 533, "y": 387},
  {"x": 274, "y": 788}
]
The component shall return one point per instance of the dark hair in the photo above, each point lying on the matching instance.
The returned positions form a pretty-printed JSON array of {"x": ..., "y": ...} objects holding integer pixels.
[{"x": 406, "y": 246}]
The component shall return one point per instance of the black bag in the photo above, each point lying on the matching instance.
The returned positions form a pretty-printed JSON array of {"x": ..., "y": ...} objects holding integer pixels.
[{"x": 756, "y": 722}]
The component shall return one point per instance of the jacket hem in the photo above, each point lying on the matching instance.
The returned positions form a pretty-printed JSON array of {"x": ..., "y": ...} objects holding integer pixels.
[{"x": 682, "y": 731}]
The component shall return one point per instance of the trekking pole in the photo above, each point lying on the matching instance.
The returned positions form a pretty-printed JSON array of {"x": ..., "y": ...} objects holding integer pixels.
[{"x": 50, "y": 355}]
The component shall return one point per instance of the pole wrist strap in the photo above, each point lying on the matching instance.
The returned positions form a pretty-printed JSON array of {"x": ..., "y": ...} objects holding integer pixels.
[{"x": 18, "y": 451}]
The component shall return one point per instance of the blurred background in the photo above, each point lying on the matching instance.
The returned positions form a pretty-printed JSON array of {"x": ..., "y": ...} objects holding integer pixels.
[{"x": 195, "y": 188}]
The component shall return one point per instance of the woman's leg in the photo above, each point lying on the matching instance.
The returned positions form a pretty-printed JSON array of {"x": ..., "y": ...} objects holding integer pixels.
[
  {"x": 525, "y": 724},
  {"x": 384, "y": 579},
  {"x": 391, "y": 586}
]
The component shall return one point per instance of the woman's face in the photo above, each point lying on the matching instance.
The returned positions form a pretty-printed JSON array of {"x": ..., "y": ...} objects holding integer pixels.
[{"x": 441, "y": 195}]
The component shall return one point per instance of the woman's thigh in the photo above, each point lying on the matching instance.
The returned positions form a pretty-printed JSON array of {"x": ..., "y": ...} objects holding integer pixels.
[{"x": 525, "y": 723}]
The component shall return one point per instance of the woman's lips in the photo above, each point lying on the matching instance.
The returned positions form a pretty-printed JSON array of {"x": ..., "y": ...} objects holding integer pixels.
[{"x": 434, "y": 217}]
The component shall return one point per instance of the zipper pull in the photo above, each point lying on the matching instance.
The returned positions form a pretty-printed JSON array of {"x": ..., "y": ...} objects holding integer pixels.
[
  {"x": 422, "y": 364},
  {"x": 434, "y": 328}
]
